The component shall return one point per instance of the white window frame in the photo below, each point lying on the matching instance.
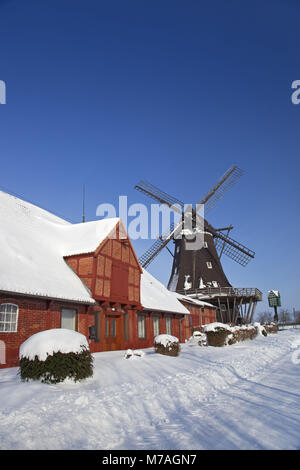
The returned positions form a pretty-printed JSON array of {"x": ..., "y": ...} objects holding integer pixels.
[
  {"x": 169, "y": 325},
  {"x": 74, "y": 319},
  {"x": 3, "y": 311},
  {"x": 141, "y": 326},
  {"x": 209, "y": 264},
  {"x": 156, "y": 325}
]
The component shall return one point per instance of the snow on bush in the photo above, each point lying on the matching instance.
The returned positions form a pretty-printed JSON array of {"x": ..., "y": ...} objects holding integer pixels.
[
  {"x": 54, "y": 355},
  {"x": 48, "y": 342},
  {"x": 271, "y": 328},
  {"x": 241, "y": 333},
  {"x": 220, "y": 334},
  {"x": 133, "y": 354},
  {"x": 165, "y": 340},
  {"x": 216, "y": 326},
  {"x": 197, "y": 333},
  {"x": 217, "y": 333},
  {"x": 198, "y": 338},
  {"x": 166, "y": 344},
  {"x": 260, "y": 329}
]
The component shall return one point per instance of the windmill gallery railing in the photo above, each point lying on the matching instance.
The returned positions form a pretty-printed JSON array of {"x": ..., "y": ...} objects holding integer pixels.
[
  {"x": 249, "y": 292},
  {"x": 232, "y": 303}
]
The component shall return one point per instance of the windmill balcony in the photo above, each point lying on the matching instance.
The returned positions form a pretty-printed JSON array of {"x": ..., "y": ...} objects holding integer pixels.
[{"x": 237, "y": 292}]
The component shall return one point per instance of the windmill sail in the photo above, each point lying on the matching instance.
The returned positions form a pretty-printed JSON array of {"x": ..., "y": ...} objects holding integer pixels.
[
  {"x": 158, "y": 245},
  {"x": 224, "y": 184},
  {"x": 234, "y": 250},
  {"x": 160, "y": 196}
]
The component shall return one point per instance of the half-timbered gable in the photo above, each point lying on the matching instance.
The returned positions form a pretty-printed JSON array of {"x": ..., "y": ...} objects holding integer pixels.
[{"x": 111, "y": 272}]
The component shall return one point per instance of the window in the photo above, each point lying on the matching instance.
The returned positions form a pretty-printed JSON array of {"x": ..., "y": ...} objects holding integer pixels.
[
  {"x": 168, "y": 325},
  {"x": 156, "y": 326},
  {"x": 110, "y": 327},
  {"x": 209, "y": 265},
  {"x": 68, "y": 319},
  {"x": 113, "y": 327},
  {"x": 125, "y": 325},
  {"x": 106, "y": 326},
  {"x": 141, "y": 326},
  {"x": 98, "y": 316},
  {"x": 204, "y": 244},
  {"x": 215, "y": 284},
  {"x": 9, "y": 317}
]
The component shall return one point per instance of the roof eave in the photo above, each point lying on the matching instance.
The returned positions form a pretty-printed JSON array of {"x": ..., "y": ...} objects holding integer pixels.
[{"x": 57, "y": 299}]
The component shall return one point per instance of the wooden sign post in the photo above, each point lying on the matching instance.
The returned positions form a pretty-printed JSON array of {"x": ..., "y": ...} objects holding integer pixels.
[{"x": 274, "y": 301}]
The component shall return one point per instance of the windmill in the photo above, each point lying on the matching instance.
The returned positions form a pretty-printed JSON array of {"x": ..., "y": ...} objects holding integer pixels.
[{"x": 198, "y": 272}]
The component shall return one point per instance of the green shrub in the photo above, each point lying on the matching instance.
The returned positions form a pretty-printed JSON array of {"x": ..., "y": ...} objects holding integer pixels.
[{"x": 58, "y": 367}]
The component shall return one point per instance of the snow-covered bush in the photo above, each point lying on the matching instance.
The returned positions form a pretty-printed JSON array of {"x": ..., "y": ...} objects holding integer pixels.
[
  {"x": 52, "y": 356},
  {"x": 271, "y": 328},
  {"x": 260, "y": 329},
  {"x": 217, "y": 333},
  {"x": 198, "y": 338},
  {"x": 167, "y": 345},
  {"x": 241, "y": 333},
  {"x": 133, "y": 354}
]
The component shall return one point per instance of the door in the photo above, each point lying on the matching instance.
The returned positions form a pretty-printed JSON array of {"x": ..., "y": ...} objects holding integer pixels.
[{"x": 114, "y": 333}]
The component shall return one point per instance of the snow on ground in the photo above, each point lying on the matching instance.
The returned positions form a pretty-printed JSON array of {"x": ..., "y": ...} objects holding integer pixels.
[{"x": 244, "y": 396}]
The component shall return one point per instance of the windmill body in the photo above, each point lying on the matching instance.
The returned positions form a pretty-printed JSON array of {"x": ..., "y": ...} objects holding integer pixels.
[
  {"x": 198, "y": 272},
  {"x": 203, "y": 266}
]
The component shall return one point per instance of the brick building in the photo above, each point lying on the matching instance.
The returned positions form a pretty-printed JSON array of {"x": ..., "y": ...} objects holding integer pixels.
[{"x": 84, "y": 277}]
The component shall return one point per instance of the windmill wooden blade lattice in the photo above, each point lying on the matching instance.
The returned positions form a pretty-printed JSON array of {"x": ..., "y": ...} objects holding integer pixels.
[
  {"x": 163, "y": 198},
  {"x": 233, "y": 249},
  {"x": 159, "y": 195},
  {"x": 158, "y": 245},
  {"x": 224, "y": 184}
]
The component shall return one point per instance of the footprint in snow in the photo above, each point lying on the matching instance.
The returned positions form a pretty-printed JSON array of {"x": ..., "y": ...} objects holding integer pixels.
[{"x": 82, "y": 401}]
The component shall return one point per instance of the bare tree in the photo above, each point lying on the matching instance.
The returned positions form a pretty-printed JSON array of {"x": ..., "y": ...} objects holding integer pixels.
[
  {"x": 284, "y": 316},
  {"x": 296, "y": 316},
  {"x": 265, "y": 317}
]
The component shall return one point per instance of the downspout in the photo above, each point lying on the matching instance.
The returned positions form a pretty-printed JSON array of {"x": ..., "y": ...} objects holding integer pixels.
[{"x": 180, "y": 328}]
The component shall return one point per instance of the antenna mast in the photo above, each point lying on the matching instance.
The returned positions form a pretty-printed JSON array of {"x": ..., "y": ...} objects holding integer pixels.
[{"x": 83, "y": 204}]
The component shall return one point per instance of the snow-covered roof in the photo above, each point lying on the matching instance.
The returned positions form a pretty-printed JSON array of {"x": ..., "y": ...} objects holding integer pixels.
[
  {"x": 155, "y": 296},
  {"x": 275, "y": 292},
  {"x": 193, "y": 300},
  {"x": 33, "y": 243}
]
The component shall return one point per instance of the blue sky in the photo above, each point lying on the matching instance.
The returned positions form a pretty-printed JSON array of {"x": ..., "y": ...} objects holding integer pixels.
[{"x": 107, "y": 93}]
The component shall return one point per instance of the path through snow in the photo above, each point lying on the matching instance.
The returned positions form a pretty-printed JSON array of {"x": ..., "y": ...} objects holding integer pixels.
[{"x": 244, "y": 396}]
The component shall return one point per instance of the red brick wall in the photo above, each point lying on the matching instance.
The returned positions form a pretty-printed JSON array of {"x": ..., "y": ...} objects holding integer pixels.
[
  {"x": 35, "y": 315},
  {"x": 133, "y": 341},
  {"x": 198, "y": 317}
]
